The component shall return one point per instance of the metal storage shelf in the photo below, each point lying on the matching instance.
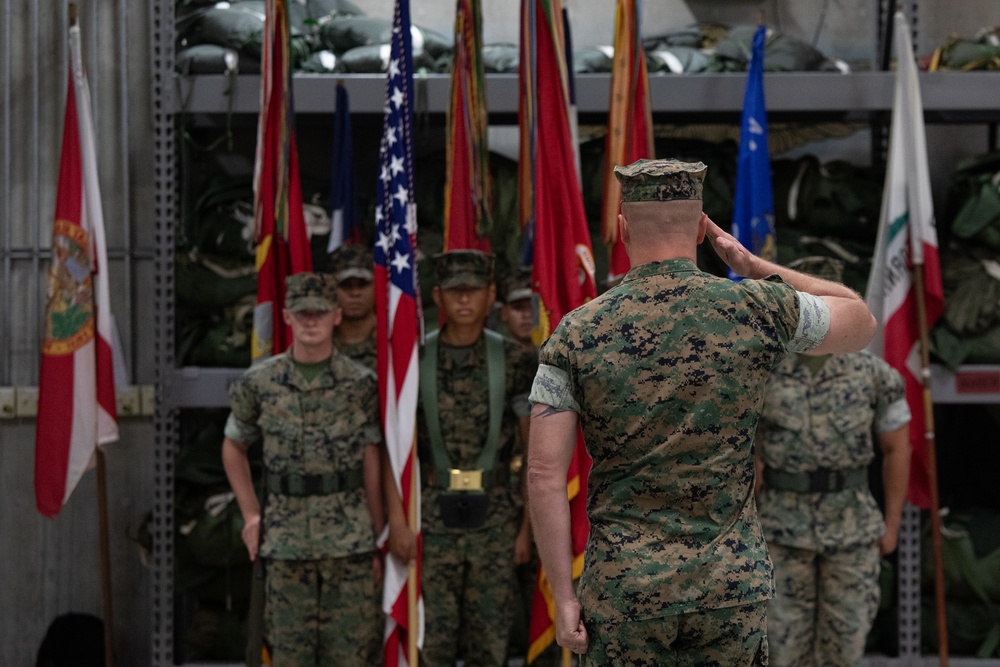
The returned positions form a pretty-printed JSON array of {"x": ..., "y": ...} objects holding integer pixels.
[
  {"x": 948, "y": 97},
  {"x": 963, "y": 95}
]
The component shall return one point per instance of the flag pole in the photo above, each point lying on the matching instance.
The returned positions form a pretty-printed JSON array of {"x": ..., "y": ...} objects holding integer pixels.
[
  {"x": 102, "y": 511},
  {"x": 411, "y": 589},
  {"x": 930, "y": 442},
  {"x": 102, "y": 514}
]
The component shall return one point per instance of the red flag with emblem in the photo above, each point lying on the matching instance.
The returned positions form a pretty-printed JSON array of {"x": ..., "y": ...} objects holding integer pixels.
[
  {"x": 279, "y": 222},
  {"x": 76, "y": 392},
  {"x": 630, "y": 126},
  {"x": 563, "y": 265}
]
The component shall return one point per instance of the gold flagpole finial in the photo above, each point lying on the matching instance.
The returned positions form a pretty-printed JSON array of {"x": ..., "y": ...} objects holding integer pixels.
[
  {"x": 72, "y": 13},
  {"x": 760, "y": 17}
]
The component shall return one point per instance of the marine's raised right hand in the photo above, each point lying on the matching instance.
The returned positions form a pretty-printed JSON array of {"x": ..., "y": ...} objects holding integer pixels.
[{"x": 739, "y": 259}]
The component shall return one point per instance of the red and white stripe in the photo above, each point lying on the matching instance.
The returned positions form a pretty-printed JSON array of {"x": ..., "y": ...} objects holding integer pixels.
[
  {"x": 76, "y": 402},
  {"x": 906, "y": 237}
]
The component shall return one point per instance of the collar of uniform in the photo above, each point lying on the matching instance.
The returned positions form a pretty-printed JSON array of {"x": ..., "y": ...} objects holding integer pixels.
[
  {"x": 325, "y": 379},
  {"x": 676, "y": 265}
]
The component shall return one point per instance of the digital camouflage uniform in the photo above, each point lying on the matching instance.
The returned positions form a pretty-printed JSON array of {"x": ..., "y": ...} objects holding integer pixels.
[
  {"x": 824, "y": 545},
  {"x": 666, "y": 372},
  {"x": 355, "y": 261},
  {"x": 322, "y": 603},
  {"x": 468, "y": 573},
  {"x": 364, "y": 352}
]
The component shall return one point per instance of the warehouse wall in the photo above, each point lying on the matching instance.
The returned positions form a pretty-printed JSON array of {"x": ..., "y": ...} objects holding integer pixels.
[{"x": 48, "y": 567}]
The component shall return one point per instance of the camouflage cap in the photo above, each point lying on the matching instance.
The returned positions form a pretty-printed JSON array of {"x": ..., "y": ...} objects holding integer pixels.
[
  {"x": 310, "y": 291},
  {"x": 661, "y": 180},
  {"x": 464, "y": 268},
  {"x": 352, "y": 261},
  {"x": 517, "y": 286},
  {"x": 828, "y": 268}
]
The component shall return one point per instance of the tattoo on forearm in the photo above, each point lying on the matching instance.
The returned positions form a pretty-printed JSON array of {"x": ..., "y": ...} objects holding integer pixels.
[{"x": 544, "y": 411}]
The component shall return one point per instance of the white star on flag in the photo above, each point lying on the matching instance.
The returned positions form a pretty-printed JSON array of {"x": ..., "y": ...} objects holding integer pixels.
[
  {"x": 401, "y": 195},
  {"x": 401, "y": 262},
  {"x": 390, "y": 136},
  {"x": 396, "y": 165},
  {"x": 397, "y": 97},
  {"x": 394, "y": 69}
]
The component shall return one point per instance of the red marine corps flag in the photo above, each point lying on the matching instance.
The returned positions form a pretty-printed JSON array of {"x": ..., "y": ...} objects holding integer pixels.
[
  {"x": 279, "y": 223},
  {"x": 467, "y": 186},
  {"x": 555, "y": 228},
  {"x": 76, "y": 395}
]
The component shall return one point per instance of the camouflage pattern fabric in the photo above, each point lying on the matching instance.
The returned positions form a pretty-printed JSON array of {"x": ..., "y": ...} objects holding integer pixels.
[
  {"x": 457, "y": 591},
  {"x": 666, "y": 371},
  {"x": 364, "y": 352},
  {"x": 310, "y": 291},
  {"x": 324, "y": 612},
  {"x": 468, "y": 578},
  {"x": 352, "y": 261},
  {"x": 825, "y": 420},
  {"x": 728, "y": 637},
  {"x": 517, "y": 286},
  {"x": 824, "y": 605},
  {"x": 661, "y": 180},
  {"x": 463, "y": 404},
  {"x": 310, "y": 428},
  {"x": 464, "y": 268}
]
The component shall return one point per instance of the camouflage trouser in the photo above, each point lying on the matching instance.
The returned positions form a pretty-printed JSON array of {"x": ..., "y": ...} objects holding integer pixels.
[
  {"x": 824, "y": 607},
  {"x": 727, "y": 637},
  {"x": 467, "y": 583},
  {"x": 323, "y": 613}
]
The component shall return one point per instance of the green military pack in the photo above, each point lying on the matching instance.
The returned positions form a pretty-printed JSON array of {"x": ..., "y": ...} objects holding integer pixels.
[{"x": 971, "y": 562}]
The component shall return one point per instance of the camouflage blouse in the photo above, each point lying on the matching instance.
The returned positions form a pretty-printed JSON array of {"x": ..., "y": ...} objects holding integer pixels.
[
  {"x": 463, "y": 403},
  {"x": 310, "y": 428},
  {"x": 667, "y": 372},
  {"x": 364, "y": 352},
  {"x": 825, "y": 420}
]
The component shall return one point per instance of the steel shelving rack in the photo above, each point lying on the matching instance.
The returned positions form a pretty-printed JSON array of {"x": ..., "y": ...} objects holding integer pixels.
[{"x": 948, "y": 97}]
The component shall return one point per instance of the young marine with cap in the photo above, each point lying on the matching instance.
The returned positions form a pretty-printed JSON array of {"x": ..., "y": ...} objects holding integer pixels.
[
  {"x": 474, "y": 388},
  {"x": 355, "y": 335},
  {"x": 516, "y": 310},
  {"x": 315, "y": 412},
  {"x": 823, "y": 528},
  {"x": 665, "y": 374}
]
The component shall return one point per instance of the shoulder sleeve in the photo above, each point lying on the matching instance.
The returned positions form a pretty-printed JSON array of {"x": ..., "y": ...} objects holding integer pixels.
[
  {"x": 813, "y": 324},
  {"x": 891, "y": 408},
  {"x": 242, "y": 422},
  {"x": 243, "y": 400},
  {"x": 552, "y": 387},
  {"x": 553, "y": 383},
  {"x": 241, "y": 431}
]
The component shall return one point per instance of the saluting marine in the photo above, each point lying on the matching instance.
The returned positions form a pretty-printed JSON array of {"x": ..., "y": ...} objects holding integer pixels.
[{"x": 665, "y": 373}]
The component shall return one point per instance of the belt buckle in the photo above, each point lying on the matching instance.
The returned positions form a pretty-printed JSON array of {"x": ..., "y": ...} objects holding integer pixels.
[
  {"x": 465, "y": 480},
  {"x": 826, "y": 481}
]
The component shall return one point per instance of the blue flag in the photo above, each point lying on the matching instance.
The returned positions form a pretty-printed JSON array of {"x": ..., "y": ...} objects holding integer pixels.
[
  {"x": 344, "y": 227},
  {"x": 753, "y": 211}
]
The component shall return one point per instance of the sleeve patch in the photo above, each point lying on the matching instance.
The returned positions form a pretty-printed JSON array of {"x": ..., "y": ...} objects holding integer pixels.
[
  {"x": 552, "y": 387},
  {"x": 814, "y": 323}
]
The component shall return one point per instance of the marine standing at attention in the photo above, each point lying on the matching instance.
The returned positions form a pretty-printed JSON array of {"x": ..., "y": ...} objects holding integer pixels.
[{"x": 316, "y": 412}]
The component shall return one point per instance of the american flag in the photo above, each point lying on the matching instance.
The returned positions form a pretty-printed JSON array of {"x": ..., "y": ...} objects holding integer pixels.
[{"x": 398, "y": 328}]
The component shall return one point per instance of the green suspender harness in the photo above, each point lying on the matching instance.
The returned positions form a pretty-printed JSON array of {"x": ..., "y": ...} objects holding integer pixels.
[{"x": 465, "y": 504}]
